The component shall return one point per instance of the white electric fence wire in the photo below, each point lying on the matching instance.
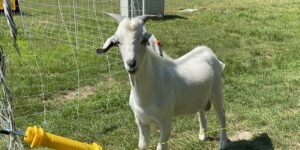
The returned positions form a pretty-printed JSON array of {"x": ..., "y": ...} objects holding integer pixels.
[
  {"x": 41, "y": 80},
  {"x": 11, "y": 23},
  {"x": 75, "y": 55},
  {"x": 75, "y": 24},
  {"x": 13, "y": 142},
  {"x": 35, "y": 60},
  {"x": 35, "y": 56},
  {"x": 107, "y": 57},
  {"x": 73, "y": 52},
  {"x": 65, "y": 21},
  {"x": 22, "y": 17}
]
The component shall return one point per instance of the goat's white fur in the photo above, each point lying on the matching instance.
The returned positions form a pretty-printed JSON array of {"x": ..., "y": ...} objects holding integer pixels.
[{"x": 162, "y": 88}]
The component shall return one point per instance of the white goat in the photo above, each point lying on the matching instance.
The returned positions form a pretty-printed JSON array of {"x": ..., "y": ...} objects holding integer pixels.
[{"x": 162, "y": 87}]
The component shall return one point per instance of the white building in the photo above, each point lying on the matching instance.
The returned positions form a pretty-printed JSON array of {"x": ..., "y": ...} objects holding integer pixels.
[{"x": 131, "y": 8}]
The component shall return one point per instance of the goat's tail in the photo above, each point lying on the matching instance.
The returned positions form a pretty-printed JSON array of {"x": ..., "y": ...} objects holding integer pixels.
[
  {"x": 222, "y": 65},
  {"x": 208, "y": 104}
]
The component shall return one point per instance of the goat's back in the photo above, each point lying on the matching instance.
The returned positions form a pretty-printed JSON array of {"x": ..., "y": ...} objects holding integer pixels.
[
  {"x": 198, "y": 71},
  {"x": 201, "y": 61}
]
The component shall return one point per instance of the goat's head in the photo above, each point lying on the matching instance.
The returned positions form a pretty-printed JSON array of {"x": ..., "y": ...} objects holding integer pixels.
[{"x": 131, "y": 38}]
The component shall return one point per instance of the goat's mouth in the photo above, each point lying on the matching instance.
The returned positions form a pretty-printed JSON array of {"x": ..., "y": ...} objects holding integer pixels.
[{"x": 132, "y": 70}]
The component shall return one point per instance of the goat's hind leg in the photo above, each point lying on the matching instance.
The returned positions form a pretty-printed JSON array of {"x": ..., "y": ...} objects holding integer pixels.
[
  {"x": 203, "y": 125},
  {"x": 217, "y": 101}
]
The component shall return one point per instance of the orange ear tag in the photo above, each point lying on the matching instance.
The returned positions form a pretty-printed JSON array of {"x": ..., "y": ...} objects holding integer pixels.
[{"x": 158, "y": 43}]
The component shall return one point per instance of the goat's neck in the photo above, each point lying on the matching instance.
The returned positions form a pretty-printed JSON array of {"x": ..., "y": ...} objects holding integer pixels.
[{"x": 143, "y": 81}]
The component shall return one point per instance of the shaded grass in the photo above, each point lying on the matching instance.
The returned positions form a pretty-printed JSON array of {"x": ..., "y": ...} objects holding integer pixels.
[{"x": 257, "y": 40}]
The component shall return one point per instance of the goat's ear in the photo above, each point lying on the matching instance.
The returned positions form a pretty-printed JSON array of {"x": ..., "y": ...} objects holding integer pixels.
[
  {"x": 117, "y": 17},
  {"x": 146, "y": 37},
  {"x": 147, "y": 17},
  {"x": 110, "y": 42}
]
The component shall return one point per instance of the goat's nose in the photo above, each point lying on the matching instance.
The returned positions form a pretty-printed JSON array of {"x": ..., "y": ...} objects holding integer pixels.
[{"x": 131, "y": 63}]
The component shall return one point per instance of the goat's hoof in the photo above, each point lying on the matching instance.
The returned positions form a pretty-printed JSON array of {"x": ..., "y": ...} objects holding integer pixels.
[
  {"x": 224, "y": 144},
  {"x": 202, "y": 136},
  {"x": 223, "y": 147},
  {"x": 163, "y": 146},
  {"x": 143, "y": 146}
]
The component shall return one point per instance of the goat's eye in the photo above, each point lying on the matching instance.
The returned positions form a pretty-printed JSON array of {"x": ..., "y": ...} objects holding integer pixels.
[{"x": 145, "y": 41}]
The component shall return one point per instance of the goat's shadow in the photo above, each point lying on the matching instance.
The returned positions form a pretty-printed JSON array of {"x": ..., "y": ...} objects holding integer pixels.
[
  {"x": 172, "y": 17},
  {"x": 259, "y": 142},
  {"x": 169, "y": 17}
]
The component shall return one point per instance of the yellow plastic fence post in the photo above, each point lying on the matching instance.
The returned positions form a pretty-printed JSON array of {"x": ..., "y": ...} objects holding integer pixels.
[
  {"x": 13, "y": 4},
  {"x": 36, "y": 137}
]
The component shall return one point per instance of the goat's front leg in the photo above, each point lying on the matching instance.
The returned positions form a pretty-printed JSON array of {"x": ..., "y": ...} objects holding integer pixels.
[
  {"x": 165, "y": 133},
  {"x": 144, "y": 134}
]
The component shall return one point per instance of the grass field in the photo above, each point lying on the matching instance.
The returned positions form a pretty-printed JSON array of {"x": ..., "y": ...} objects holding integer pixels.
[{"x": 259, "y": 41}]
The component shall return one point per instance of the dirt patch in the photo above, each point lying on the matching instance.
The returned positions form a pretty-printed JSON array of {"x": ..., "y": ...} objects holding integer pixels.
[
  {"x": 229, "y": 114},
  {"x": 297, "y": 145},
  {"x": 72, "y": 95},
  {"x": 241, "y": 135},
  {"x": 45, "y": 21},
  {"x": 81, "y": 93},
  {"x": 88, "y": 90}
]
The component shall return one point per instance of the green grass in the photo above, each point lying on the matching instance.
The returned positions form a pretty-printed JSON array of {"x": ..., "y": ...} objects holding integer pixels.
[{"x": 257, "y": 40}]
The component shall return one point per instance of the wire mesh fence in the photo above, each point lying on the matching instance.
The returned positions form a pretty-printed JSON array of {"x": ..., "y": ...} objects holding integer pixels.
[
  {"x": 70, "y": 32},
  {"x": 60, "y": 84}
]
